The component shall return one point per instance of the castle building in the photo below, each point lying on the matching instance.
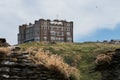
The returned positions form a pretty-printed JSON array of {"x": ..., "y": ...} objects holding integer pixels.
[{"x": 46, "y": 30}]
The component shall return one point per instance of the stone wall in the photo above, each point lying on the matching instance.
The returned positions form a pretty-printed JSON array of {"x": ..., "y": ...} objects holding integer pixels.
[{"x": 17, "y": 66}]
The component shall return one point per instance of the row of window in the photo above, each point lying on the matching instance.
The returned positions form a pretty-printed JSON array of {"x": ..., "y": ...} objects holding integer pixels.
[
  {"x": 29, "y": 30},
  {"x": 57, "y": 28},
  {"x": 53, "y": 38},
  {"x": 54, "y": 33},
  {"x": 61, "y": 29},
  {"x": 55, "y": 23},
  {"x": 57, "y": 38},
  {"x": 37, "y": 38},
  {"x": 30, "y": 35}
]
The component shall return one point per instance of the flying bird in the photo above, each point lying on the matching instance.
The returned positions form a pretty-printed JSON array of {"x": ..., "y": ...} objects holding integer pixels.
[{"x": 96, "y": 6}]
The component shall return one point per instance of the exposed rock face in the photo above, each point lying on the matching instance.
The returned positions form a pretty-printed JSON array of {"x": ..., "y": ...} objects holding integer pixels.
[
  {"x": 110, "y": 70},
  {"x": 18, "y": 67},
  {"x": 3, "y": 42}
]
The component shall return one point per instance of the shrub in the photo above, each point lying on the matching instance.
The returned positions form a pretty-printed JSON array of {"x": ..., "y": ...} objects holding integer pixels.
[
  {"x": 52, "y": 61},
  {"x": 105, "y": 57}
]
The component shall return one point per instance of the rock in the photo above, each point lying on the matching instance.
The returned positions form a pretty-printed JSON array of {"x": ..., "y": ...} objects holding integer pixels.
[
  {"x": 14, "y": 48},
  {"x": 110, "y": 70},
  {"x": 3, "y": 42},
  {"x": 16, "y": 66}
]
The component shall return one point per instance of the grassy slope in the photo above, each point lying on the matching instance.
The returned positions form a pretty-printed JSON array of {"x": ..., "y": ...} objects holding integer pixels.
[{"x": 81, "y": 55}]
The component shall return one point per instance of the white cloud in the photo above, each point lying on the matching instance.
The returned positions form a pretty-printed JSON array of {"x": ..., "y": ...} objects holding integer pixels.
[{"x": 88, "y": 15}]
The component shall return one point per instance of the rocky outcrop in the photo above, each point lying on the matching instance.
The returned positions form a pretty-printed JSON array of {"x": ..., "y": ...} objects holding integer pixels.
[
  {"x": 109, "y": 65},
  {"x": 16, "y": 66},
  {"x": 3, "y": 42}
]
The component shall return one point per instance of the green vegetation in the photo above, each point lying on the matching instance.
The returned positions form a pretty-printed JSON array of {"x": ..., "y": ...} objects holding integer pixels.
[{"x": 80, "y": 55}]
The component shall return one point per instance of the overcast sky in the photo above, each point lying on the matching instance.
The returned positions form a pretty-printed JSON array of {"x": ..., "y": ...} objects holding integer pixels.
[{"x": 93, "y": 19}]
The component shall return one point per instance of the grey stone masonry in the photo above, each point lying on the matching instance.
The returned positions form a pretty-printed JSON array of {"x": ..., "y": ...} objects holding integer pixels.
[{"x": 18, "y": 67}]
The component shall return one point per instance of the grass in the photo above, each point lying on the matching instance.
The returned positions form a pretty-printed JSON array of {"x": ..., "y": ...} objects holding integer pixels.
[
  {"x": 52, "y": 61},
  {"x": 80, "y": 55}
]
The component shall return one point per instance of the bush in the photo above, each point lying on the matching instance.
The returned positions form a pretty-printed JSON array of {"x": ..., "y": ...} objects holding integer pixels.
[{"x": 53, "y": 61}]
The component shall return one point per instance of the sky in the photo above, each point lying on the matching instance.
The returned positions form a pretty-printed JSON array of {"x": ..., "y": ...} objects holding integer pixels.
[{"x": 93, "y": 19}]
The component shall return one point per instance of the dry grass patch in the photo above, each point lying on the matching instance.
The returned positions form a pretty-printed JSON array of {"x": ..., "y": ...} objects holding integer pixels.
[
  {"x": 4, "y": 50},
  {"x": 105, "y": 57},
  {"x": 52, "y": 61}
]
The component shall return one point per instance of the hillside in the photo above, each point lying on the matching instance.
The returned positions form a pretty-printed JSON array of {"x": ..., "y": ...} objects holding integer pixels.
[{"x": 80, "y": 55}]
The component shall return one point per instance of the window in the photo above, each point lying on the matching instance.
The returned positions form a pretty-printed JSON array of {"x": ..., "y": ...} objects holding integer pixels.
[
  {"x": 52, "y": 32},
  {"x": 68, "y": 33},
  {"x": 58, "y": 33},
  {"x": 68, "y": 24},
  {"x": 68, "y": 29},
  {"x": 62, "y": 33},
  {"x": 45, "y": 28},
  {"x": 45, "y": 38},
  {"x": 52, "y": 38},
  {"x": 37, "y": 33},
  {"x": 69, "y": 39},
  {"x": 54, "y": 28},
  {"x": 37, "y": 38}
]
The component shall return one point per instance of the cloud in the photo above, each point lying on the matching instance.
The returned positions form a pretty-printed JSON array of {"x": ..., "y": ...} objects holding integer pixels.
[{"x": 88, "y": 15}]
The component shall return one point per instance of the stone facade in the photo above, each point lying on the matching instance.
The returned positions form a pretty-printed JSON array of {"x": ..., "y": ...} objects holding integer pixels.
[{"x": 46, "y": 30}]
